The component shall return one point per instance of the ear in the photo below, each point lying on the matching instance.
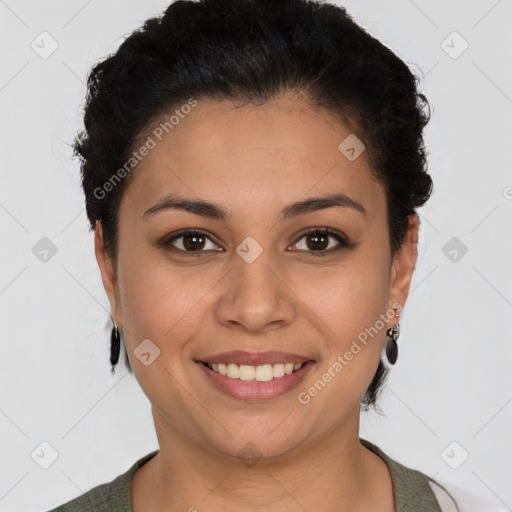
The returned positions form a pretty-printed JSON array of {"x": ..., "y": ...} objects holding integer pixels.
[
  {"x": 403, "y": 264},
  {"x": 108, "y": 275}
]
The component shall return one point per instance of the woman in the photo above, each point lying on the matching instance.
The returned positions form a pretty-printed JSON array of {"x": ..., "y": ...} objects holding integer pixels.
[{"x": 252, "y": 171}]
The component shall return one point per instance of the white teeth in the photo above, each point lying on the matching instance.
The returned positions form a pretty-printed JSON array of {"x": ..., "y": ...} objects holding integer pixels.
[
  {"x": 233, "y": 371},
  {"x": 278, "y": 370},
  {"x": 246, "y": 372},
  {"x": 262, "y": 373}
]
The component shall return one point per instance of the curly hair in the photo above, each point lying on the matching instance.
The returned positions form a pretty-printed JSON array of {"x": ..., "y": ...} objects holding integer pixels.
[{"x": 252, "y": 51}]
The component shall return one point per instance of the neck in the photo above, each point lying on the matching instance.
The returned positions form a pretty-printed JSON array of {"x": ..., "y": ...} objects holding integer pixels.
[{"x": 334, "y": 473}]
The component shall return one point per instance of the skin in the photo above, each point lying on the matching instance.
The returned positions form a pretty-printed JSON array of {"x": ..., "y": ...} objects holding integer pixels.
[{"x": 254, "y": 160}]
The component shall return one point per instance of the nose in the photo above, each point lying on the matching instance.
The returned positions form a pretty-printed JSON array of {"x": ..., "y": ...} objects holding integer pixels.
[{"x": 255, "y": 296}]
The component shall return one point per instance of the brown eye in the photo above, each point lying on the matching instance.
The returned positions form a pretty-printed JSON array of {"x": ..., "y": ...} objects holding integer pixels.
[
  {"x": 317, "y": 241},
  {"x": 193, "y": 242},
  {"x": 190, "y": 241}
]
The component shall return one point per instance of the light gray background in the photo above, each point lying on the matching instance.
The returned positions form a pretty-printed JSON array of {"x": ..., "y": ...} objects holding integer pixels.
[{"x": 452, "y": 381}]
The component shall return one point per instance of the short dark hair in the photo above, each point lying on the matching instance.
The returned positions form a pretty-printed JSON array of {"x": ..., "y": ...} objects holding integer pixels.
[{"x": 251, "y": 51}]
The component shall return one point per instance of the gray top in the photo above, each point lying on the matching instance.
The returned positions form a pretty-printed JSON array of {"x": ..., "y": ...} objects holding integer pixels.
[{"x": 411, "y": 488}]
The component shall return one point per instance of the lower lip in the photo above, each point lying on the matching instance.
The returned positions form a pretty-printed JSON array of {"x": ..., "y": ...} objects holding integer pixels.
[{"x": 254, "y": 390}]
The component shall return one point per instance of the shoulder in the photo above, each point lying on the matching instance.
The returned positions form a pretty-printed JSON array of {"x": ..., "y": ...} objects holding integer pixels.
[
  {"x": 452, "y": 498},
  {"x": 111, "y": 496},
  {"x": 416, "y": 491},
  {"x": 107, "y": 496},
  {"x": 410, "y": 487}
]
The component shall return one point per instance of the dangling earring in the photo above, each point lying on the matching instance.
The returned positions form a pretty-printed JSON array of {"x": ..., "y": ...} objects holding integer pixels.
[
  {"x": 115, "y": 346},
  {"x": 391, "y": 345}
]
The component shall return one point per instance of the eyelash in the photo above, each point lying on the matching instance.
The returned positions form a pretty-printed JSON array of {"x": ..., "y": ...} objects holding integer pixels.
[{"x": 344, "y": 242}]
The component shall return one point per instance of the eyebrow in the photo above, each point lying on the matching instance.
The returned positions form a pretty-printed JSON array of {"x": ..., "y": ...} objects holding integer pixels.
[{"x": 214, "y": 211}]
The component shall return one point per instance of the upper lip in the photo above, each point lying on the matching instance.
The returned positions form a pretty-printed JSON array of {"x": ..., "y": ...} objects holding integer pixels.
[{"x": 254, "y": 358}]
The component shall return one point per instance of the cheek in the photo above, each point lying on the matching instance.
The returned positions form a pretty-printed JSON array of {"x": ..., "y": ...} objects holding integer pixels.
[
  {"x": 347, "y": 298},
  {"x": 352, "y": 308},
  {"x": 160, "y": 305},
  {"x": 161, "y": 302}
]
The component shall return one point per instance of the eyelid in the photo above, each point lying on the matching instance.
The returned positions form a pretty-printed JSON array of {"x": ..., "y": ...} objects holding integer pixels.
[
  {"x": 343, "y": 240},
  {"x": 166, "y": 242}
]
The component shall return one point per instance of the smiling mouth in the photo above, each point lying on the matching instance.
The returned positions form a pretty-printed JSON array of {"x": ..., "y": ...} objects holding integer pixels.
[{"x": 261, "y": 373}]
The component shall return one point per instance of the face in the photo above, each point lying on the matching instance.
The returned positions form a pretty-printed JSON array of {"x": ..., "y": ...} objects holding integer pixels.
[{"x": 266, "y": 279}]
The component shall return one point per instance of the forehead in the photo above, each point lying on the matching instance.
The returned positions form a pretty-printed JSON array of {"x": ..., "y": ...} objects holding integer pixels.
[{"x": 249, "y": 155}]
